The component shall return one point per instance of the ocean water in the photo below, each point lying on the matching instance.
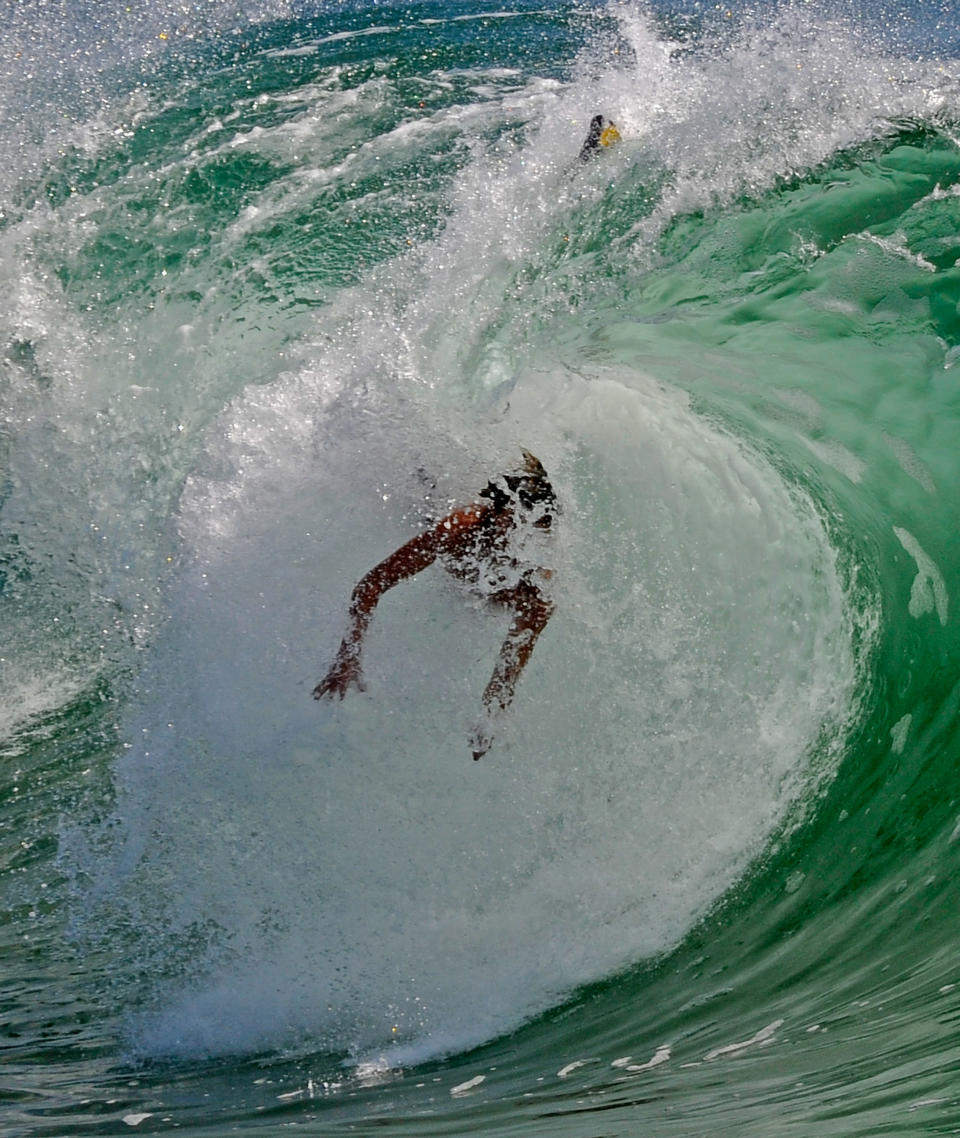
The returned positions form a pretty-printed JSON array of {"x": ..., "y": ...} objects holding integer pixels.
[{"x": 283, "y": 281}]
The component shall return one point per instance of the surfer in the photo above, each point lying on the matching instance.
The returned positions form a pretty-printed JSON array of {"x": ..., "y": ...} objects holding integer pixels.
[
  {"x": 489, "y": 544},
  {"x": 602, "y": 133}
]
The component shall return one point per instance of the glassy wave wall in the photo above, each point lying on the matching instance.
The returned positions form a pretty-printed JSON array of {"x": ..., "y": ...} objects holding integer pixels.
[{"x": 282, "y": 284}]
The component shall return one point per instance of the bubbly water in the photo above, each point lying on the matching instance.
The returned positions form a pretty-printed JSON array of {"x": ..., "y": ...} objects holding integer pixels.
[{"x": 282, "y": 284}]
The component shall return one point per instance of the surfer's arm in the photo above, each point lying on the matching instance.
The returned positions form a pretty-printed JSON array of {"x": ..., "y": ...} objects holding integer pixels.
[
  {"x": 407, "y": 561},
  {"x": 531, "y": 611}
]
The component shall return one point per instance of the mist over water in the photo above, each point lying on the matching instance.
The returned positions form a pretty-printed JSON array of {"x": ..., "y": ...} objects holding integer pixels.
[{"x": 281, "y": 285}]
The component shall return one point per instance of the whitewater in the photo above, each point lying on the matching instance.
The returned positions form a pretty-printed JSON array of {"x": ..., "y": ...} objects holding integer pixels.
[{"x": 284, "y": 283}]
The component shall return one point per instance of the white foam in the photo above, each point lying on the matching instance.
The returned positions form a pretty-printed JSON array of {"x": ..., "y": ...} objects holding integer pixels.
[
  {"x": 929, "y": 590},
  {"x": 661, "y": 1056},
  {"x": 469, "y": 1085},
  {"x": 27, "y": 700},
  {"x": 899, "y": 732},
  {"x": 838, "y": 456},
  {"x": 763, "y": 1038},
  {"x": 909, "y": 463},
  {"x": 568, "y": 1070}
]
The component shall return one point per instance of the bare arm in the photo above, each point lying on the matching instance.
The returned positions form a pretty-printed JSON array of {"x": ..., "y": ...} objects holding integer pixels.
[
  {"x": 532, "y": 609},
  {"x": 407, "y": 561}
]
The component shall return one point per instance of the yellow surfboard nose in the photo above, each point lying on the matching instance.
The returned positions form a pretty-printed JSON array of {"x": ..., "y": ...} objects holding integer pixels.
[
  {"x": 609, "y": 135},
  {"x": 602, "y": 134}
]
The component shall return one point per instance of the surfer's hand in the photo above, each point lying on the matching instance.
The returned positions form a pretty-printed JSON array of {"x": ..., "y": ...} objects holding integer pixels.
[
  {"x": 481, "y": 740},
  {"x": 345, "y": 671}
]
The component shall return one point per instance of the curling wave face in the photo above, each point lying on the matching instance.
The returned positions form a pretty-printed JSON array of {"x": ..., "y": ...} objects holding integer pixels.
[
  {"x": 356, "y": 877},
  {"x": 263, "y": 319}
]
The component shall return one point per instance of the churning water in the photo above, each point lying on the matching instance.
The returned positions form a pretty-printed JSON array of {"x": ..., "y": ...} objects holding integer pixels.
[{"x": 281, "y": 283}]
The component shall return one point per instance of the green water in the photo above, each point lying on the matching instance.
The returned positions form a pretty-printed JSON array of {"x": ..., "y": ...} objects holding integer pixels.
[{"x": 277, "y": 285}]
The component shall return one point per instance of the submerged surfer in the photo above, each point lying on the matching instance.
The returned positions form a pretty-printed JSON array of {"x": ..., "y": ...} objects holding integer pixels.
[
  {"x": 602, "y": 133},
  {"x": 491, "y": 546}
]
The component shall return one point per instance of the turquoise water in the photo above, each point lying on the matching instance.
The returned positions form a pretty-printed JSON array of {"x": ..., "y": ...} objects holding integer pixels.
[{"x": 280, "y": 283}]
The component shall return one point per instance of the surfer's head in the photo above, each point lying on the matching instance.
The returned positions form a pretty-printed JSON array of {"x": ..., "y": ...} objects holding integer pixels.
[{"x": 526, "y": 492}]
